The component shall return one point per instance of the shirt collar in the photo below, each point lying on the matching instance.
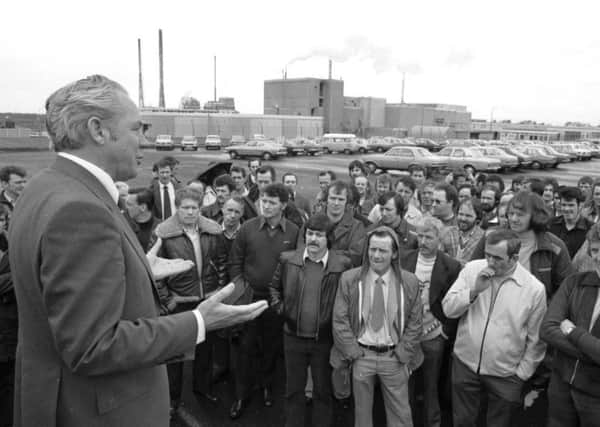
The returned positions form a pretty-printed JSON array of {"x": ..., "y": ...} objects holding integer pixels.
[
  {"x": 264, "y": 222},
  {"x": 234, "y": 231},
  {"x": 104, "y": 178},
  {"x": 520, "y": 275},
  {"x": 387, "y": 277},
  {"x": 323, "y": 259}
]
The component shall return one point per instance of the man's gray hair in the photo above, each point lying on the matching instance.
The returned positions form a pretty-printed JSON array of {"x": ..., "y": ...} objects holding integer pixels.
[
  {"x": 430, "y": 223},
  {"x": 70, "y": 107}
]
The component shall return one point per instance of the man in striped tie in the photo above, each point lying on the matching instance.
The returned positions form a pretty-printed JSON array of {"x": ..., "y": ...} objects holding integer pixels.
[{"x": 376, "y": 328}]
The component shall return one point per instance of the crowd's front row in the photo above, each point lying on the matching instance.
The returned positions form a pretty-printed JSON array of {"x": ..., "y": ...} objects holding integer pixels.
[{"x": 439, "y": 312}]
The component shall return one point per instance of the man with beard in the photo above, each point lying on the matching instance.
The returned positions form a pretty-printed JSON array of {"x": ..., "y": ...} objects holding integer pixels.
[
  {"x": 570, "y": 227},
  {"x": 392, "y": 206},
  {"x": 490, "y": 196},
  {"x": 469, "y": 233}
]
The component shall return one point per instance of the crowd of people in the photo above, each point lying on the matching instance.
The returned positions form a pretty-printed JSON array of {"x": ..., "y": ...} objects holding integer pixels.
[{"x": 454, "y": 296}]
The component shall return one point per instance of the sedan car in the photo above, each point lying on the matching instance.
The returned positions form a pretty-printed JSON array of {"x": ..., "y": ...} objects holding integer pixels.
[
  {"x": 539, "y": 158},
  {"x": 562, "y": 157},
  {"x": 466, "y": 158},
  {"x": 266, "y": 150},
  {"x": 525, "y": 160},
  {"x": 189, "y": 142},
  {"x": 507, "y": 161},
  {"x": 379, "y": 144},
  {"x": 212, "y": 141},
  {"x": 401, "y": 158},
  {"x": 568, "y": 150},
  {"x": 164, "y": 142}
]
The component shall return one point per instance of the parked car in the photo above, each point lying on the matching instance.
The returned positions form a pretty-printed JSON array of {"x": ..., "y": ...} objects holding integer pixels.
[
  {"x": 266, "y": 150},
  {"x": 379, "y": 144},
  {"x": 311, "y": 147},
  {"x": 189, "y": 142},
  {"x": 164, "y": 142},
  {"x": 212, "y": 142},
  {"x": 237, "y": 139},
  {"x": 508, "y": 161},
  {"x": 428, "y": 144},
  {"x": 340, "y": 143},
  {"x": 401, "y": 158},
  {"x": 525, "y": 160},
  {"x": 364, "y": 146},
  {"x": 594, "y": 149},
  {"x": 547, "y": 149},
  {"x": 464, "y": 157},
  {"x": 539, "y": 158},
  {"x": 293, "y": 147}
]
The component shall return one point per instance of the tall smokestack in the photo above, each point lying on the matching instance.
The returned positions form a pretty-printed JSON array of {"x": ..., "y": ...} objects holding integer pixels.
[
  {"x": 330, "y": 66},
  {"x": 141, "y": 88},
  {"x": 161, "y": 91},
  {"x": 215, "y": 72},
  {"x": 402, "y": 99}
]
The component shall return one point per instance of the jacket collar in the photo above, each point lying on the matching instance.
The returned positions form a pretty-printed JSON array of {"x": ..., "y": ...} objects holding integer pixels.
[
  {"x": 334, "y": 261},
  {"x": 104, "y": 178},
  {"x": 263, "y": 222},
  {"x": 545, "y": 243},
  {"x": 172, "y": 227},
  {"x": 590, "y": 279},
  {"x": 581, "y": 223}
]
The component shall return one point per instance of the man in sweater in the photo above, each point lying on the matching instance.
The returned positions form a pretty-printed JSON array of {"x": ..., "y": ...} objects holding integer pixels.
[
  {"x": 500, "y": 307},
  {"x": 570, "y": 227},
  {"x": 303, "y": 291},
  {"x": 254, "y": 257}
]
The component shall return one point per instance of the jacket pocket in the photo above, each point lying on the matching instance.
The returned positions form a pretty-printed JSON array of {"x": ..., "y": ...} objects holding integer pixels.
[{"x": 115, "y": 390}]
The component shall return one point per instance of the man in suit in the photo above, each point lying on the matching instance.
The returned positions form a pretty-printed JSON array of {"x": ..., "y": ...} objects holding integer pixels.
[
  {"x": 290, "y": 180},
  {"x": 376, "y": 328},
  {"x": 91, "y": 345},
  {"x": 163, "y": 190},
  {"x": 436, "y": 272}
]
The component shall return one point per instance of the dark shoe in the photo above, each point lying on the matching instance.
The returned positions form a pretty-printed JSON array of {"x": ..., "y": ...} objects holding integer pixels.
[
  {"x": 236, "y": 409},
  {"x": 206, "y": 396},
  {"x": 267, "y": 397}
]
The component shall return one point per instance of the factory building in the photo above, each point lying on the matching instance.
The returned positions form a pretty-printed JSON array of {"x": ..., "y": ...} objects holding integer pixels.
[
  {"x": 307, "y": 97},
  {"x": 179, "y": 123}
]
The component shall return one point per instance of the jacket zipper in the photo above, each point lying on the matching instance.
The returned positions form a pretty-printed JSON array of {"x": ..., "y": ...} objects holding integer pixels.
[
  {"x": 487, "y": 322},
  {"x": 574, "y": 372}
]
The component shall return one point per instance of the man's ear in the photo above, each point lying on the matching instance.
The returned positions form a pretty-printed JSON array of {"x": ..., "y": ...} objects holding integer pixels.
[{"x": 98, "y": 132}]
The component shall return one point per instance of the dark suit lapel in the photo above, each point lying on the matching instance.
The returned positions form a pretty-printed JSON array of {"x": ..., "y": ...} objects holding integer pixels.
[
  {"x": 83, "y": 176},
  {"x": 439, "y": 274}
]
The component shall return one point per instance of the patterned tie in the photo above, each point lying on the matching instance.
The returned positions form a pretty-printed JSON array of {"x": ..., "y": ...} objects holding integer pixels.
[
  {"x": 166, "y": 203},
  {"x": 378, "y": 306}
]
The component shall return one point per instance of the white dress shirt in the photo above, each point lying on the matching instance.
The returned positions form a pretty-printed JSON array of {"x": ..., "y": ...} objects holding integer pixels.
[
  {"x": 108, "y": 183},
  {"x": 383, "y": 336},
  {"x": 171, "y": 190}
]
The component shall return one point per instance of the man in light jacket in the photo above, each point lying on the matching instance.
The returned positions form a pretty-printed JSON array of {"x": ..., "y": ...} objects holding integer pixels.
[{"x": 501, "y": 306}]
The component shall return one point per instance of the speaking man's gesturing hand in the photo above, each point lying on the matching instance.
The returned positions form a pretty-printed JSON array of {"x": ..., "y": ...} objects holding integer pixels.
[
  {"x": 162, "y": 267},
  {"x": 217, "y": 315}
]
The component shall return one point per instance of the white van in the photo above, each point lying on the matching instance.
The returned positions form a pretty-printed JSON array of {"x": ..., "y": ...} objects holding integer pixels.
[{"x": 340, "y": 143}]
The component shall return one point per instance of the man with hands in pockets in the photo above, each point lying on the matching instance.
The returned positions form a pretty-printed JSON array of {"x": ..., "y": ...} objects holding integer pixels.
[{"x": 501, "y": 306}]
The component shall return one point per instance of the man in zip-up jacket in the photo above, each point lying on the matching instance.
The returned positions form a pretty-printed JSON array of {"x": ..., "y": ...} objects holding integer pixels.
[
  {"x": 190, "y": 236},
  {"x": 500, "y": 306},
  {"x": 572, "y": 328},
  {"x": 303, "y": 291}
]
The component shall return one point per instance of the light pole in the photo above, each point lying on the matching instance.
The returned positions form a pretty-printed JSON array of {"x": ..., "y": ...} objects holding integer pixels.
[{"x": 491, "y": 121}]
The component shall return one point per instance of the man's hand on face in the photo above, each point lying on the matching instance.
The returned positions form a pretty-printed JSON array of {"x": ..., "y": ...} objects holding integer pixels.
[
  {"x": 162, "y": 267},
  {"x": 217, "y": 315},
  {"x": 483, "y": 281}
]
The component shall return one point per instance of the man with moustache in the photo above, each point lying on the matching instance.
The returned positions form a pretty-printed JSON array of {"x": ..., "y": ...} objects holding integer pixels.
[
  {"x": 490, "y": 196},
  {"x": 92, "y": 347},
  {"x": 469, "y": 233},
  {"x": 303, "y": 290}
]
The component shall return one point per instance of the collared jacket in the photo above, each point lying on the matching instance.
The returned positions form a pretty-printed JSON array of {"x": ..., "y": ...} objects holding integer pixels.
[
  {"x": 9, "y": 318},
  {"x": 444, "y": 273},
  {"x": 574, "y": 238},
  {"x": 550, "y": 261},
  {"x": 348, "y": 237},
  {"x": 499, "y": 336},
  {"x": 176, "y": 244},
  {"x": 577, "y": 355},
  {"x": 287, "y": 287},
  {"x": 213, "y": 211},
  {"x": 348, "y": 322},
  {"x": 407, "y": 239}
]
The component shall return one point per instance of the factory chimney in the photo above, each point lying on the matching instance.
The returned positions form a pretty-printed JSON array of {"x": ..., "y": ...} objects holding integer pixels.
[
  {"x": 402, "y": 99},
  {"x": 215, "y": 72},
  {"x": 141, "y": 88},
  {"x": 161, "y": 91},
  {"x": 330, "y": 65}
]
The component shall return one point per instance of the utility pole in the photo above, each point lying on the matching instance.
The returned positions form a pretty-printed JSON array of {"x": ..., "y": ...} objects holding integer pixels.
[{"x": 141, "y": 87}]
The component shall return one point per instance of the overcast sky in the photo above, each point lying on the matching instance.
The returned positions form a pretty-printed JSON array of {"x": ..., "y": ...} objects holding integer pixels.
[{"x": 511, "y": 59}]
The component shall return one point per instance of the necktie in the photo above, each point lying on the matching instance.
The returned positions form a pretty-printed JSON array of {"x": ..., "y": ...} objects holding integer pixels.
[
  {"x": 166, "y": 203},
  {"x": 378, "y": 307}
]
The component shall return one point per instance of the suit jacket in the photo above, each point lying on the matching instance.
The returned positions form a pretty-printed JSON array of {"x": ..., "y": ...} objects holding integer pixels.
[
  {"x": 156, "y": 188},
  {"x": 91, "y": 344},
  {"x": 444, "y": 274}
]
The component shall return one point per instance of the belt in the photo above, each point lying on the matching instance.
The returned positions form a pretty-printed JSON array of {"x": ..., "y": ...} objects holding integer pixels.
[{"x": 378, "y": 348}]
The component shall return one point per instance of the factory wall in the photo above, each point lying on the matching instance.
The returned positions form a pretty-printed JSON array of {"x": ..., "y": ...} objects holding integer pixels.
[{"x": 226, "y": 125}]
